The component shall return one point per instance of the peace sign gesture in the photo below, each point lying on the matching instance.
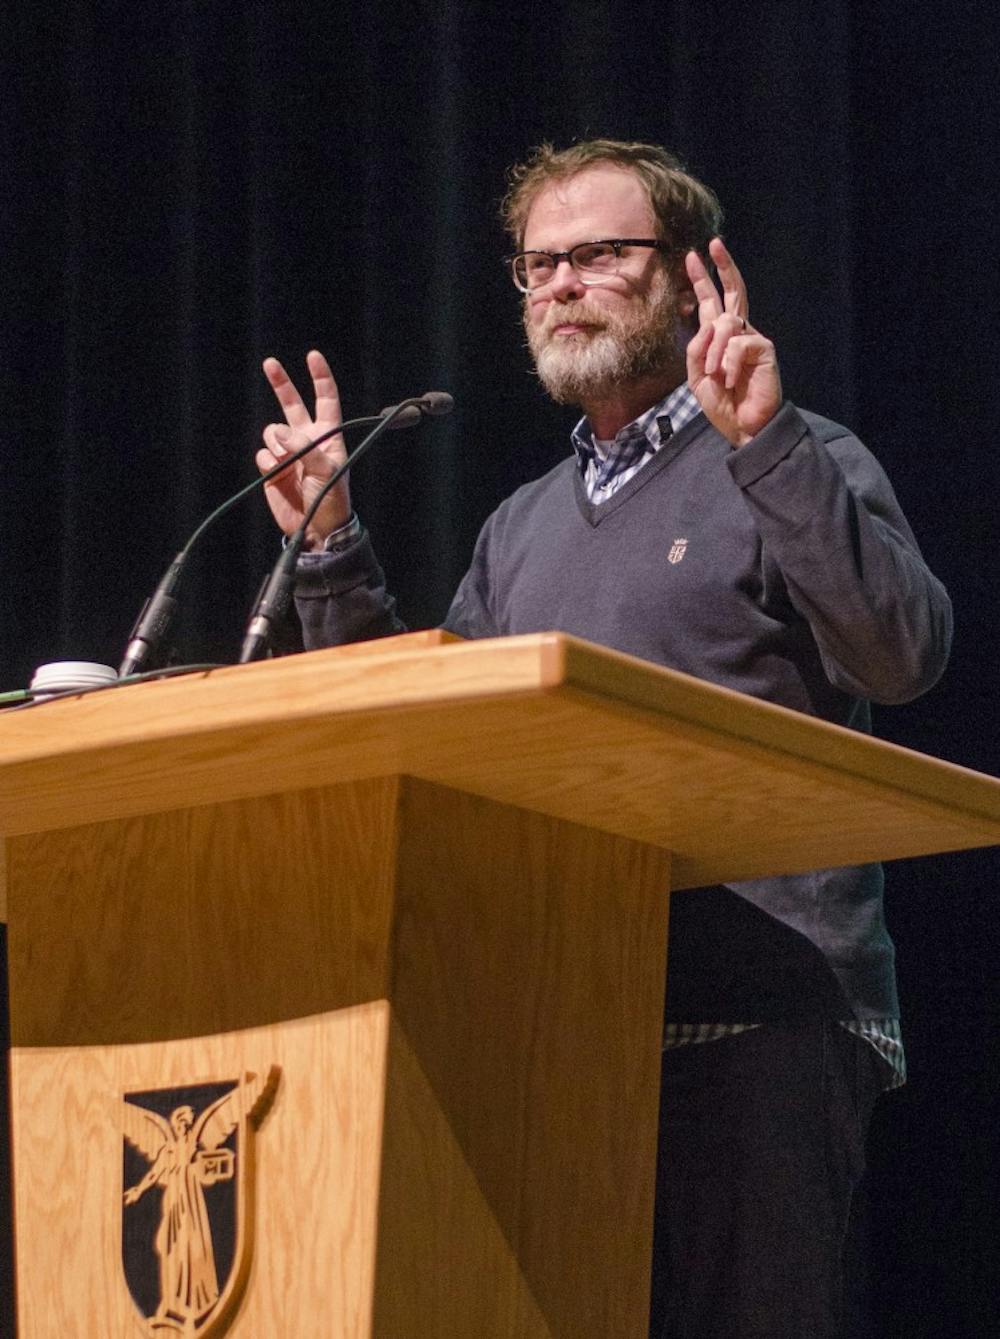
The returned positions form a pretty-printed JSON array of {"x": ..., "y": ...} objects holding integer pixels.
[
  {"x": 731, "y": 367},
  {"x": 290, "y": 493}
]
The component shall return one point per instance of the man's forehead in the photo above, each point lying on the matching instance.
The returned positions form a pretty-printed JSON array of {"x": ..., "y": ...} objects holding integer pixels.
[{"x": 601, "y": 194}]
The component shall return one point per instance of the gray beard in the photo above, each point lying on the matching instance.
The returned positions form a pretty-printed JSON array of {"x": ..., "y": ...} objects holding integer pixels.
[{"x": 587, "y": 369}]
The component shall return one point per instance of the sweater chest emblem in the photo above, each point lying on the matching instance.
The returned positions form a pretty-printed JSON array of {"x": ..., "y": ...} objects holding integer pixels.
[{"x": 677, "y": 550}]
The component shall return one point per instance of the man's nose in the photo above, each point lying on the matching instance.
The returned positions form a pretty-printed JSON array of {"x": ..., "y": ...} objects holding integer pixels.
[{"x": 566, "y": 285}]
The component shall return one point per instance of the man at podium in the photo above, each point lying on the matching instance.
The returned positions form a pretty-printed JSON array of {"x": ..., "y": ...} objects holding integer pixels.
[{"x": 702, "y": 522}]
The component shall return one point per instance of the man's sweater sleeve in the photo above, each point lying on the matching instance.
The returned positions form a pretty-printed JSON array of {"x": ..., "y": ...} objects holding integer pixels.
[
  {"x": 829, "y": 519},
  {"x": 341, "y": 597}
]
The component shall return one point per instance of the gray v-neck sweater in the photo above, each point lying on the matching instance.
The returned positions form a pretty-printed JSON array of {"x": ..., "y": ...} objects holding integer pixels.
[{"x": 785, "y": 570}]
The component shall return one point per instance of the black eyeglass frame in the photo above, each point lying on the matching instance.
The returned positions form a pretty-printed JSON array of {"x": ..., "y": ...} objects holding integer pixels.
[{"x": 558, "y": 256}]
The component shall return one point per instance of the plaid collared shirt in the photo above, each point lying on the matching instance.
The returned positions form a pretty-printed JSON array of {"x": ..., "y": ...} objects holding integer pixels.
[{"x": 606, "y": 467}]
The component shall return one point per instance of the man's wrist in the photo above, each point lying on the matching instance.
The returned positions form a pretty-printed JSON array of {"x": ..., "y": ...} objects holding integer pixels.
[
  {"x": 342, "y": 537},
  {"x": 338, "y": 539}
]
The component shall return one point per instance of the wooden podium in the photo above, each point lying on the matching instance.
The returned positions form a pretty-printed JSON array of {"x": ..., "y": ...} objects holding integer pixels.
[{"x": 370, "y": 943}]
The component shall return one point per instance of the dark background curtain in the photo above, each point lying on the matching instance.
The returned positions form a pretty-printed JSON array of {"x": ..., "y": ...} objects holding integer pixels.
[{"x": 189, "y": 186}]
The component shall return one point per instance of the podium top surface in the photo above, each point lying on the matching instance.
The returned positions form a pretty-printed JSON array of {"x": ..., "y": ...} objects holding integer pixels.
[{"x": 734, "y": 787}]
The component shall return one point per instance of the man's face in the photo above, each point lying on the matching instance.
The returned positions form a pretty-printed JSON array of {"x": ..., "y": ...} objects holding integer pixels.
[{"x": 587, "y": 340}]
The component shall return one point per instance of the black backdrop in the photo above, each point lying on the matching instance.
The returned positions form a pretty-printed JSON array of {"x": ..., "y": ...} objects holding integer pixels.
[{"x": 192, "y": 184}]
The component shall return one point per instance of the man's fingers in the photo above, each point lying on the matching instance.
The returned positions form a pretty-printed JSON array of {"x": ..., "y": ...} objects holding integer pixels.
[
  {"x": 696, "y": 350},
  {"x": 739, "y": 351},
  {"x": 327, "y": 407},
  {"x": 292, "y": 406},
  {"x": 281, "y": 440},
  {"x": 725, "y": 329},
  {"x": 709, "y": 305},
  {"x": 695, "y": 267},
  {"x": 325, "y": 388},
  {"x": 716, "y": 349},
  {"x": 289, "y": 488},
  {"x": 734, "y": 290},
  {"x": 264, "y": 460}
]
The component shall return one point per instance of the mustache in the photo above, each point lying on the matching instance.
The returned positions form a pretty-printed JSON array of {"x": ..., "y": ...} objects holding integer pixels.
[{"x": 573, "y": 313}]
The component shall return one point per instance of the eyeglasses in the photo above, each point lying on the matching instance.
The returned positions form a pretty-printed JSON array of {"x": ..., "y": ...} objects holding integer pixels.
[{"x": 594, "y": 262}]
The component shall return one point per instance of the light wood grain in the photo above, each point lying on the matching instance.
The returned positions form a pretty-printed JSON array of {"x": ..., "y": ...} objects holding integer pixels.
[
  {"x": 523, "y": 959},
  {"x": 475, "y": 836},
  {"x": 734, "y": 787},
  {"x": 202, "y": 920},
  {"x": 317, "y": 1154},
  {"x": 444, "y": 1257},
  {"x": 528, "y": 981}
]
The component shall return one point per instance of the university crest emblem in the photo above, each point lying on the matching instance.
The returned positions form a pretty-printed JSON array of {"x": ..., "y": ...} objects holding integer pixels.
[
  {"x": 187, "y": 1210},
  {"x": 677, "y": 550}
]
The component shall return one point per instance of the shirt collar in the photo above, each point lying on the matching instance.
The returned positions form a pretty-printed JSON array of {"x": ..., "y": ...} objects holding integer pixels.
[{"x": 645, "y": 433}]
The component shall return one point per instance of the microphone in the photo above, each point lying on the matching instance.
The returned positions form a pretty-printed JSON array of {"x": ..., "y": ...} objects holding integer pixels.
[
  {"x": 435, "y": 403},
  {"x": 157, "y": 614},
  {"x": 276, "y": 589},
  {"x": 431, "y": 403}
]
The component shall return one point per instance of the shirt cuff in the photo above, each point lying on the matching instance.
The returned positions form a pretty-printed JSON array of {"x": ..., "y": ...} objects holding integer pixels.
[
  {"x": 344, "y": 535},
  {"x": 341, "y": 538}
]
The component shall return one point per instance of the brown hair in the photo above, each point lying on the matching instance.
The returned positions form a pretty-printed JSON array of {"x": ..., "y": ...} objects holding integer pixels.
[{"x": 687, "y": 212}]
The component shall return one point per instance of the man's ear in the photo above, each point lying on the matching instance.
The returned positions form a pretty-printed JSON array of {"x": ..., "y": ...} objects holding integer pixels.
[
  {"x": 687, "y": 303},
  {"x": 684, "y": 298}
]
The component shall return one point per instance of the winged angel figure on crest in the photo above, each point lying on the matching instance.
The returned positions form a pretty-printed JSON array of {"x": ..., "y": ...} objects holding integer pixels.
[{"x": 185, "y": 1155}]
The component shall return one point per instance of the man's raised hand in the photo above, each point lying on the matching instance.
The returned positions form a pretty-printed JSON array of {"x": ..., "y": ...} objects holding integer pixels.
[
  {"x": 290, "y": 493},
  {"x": 732, "y": 368}
]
